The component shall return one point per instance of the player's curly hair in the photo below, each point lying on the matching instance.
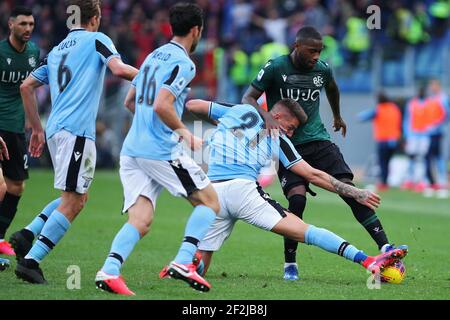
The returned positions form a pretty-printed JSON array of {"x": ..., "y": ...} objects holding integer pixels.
[
  {"x": 183, "y": 16},
  {"x": 88, "y": 8},
  {"x": 295, "y": 109}
]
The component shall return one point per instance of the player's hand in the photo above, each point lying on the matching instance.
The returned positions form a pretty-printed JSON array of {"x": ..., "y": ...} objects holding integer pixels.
[
  {"x": 4, "y": 155},
  {"x": 340, "y": 124},
  {"x": 272, "y": 125},
  {"x": 369, "y": 199},
  {"x": 193, "y": 142},
  {"x": 37, "y": 142}
]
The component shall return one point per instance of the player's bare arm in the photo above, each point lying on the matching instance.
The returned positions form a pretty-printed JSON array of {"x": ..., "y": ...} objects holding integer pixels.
[
  {"x": 28, "y": 93},
  {"x": 164, "y": 107},
  {"x": 251, "y": 97},
  {"x": 327, "y": 182},
  {"x": 130, "y": 99},
  {"x": 122, "y": 70},
  {"x": 200, "y": 108},
  {"x": 4, "y": 155},
  {"x": 332, "y": 91}
]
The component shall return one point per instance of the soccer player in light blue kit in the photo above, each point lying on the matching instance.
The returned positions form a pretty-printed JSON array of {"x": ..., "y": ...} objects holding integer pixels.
[
  {"x": 152, "y": 157},
  {"x": 240, "y": 147},
  {"x": 74, "y": 70}
]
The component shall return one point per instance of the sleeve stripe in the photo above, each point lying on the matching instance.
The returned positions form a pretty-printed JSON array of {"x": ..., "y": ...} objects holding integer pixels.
[
  {"x": 226, "y": 104},
  {"x": 290, "y": 155},
  {"x": 293, "y": 163},
  {"x": 210, "y": 109},
  {"x": 102, "y": 49},
  {"x": 37, "y": 78},
  {"x": 173, "y": 75}
]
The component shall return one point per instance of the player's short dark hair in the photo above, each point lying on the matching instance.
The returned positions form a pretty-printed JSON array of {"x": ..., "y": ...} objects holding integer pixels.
[
  {"x": 183, "y": 16},
  {"x": 21, "y": 11},
  {"x": 308, "y": 33},
  {"x": 88, "y": 8},
  {"x": 294, "y": 108}
]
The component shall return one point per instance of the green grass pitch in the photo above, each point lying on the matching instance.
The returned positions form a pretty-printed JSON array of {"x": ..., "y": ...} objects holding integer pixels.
[{"x": 249, "y": 266}]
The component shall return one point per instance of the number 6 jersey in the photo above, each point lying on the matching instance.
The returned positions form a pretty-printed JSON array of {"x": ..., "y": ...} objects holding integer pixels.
[{"x": 75, "y": 70}]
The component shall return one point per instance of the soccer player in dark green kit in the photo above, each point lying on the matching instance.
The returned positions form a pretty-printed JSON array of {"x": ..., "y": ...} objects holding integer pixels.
[
  {"x": 18, "y": 57},
  {"x": 301, "y": 77}
]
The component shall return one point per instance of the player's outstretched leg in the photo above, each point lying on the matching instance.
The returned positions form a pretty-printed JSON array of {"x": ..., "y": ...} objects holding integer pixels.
[
  {"x": 294, "y": 228},
  {"x": 4, "y": 264},
  {"x": 22, "y": 240},
  {"x": 329, "y": 241}
]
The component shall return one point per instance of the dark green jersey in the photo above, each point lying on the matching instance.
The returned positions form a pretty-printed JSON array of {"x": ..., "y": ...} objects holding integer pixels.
[
  {"x": 280, "y": 79},
  {"x": 14, "y": 68}
]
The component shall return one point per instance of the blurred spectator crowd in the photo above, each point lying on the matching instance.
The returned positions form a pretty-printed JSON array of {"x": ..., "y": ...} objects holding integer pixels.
[{"x": 412, "y": 43}]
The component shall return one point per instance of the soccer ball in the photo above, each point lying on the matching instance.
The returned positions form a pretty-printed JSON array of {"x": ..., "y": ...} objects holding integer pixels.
[{"x": 394, "y": 274}]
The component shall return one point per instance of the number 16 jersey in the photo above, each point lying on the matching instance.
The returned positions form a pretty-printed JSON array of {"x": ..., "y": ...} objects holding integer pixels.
[
  {"x": 168, "y": 67},
  {"x": 75, "y": 70}
]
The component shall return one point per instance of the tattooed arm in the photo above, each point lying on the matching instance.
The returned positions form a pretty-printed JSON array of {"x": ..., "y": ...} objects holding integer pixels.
[{"x": 327, "y": 182}]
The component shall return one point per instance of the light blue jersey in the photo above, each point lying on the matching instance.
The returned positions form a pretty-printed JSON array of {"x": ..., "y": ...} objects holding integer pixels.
[
  {"x": 167, "y": 67},
  {"x": 75, "y": 70},
  {"x": 240, "y": 146}
]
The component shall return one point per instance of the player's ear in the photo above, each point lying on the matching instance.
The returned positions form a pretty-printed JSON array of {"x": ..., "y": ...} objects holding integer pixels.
[
  {"x": 196, "y": 31},
  {"x": 10, "y": 23}
]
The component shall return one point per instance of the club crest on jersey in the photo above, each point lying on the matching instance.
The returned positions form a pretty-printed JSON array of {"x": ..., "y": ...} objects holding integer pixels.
[
  {"x": 283, "y": 182},
  {"x": 318, "y": 81},
  {"x": 32, "y": 61},
  {"x": 284, "y": 77},
  {"x": 87, "y": 181},
  {"x": 9, "y": 60}
]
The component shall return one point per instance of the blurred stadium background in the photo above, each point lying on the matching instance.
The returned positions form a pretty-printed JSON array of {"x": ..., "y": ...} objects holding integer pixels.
[{"x": 411, "y": 46}]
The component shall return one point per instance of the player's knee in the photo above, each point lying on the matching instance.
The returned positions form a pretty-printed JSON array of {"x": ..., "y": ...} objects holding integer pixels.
[
  {"x": 297, "y": 204},
  {"x": 142, "y": 224},
  {"x": 15, "y": 187},
  {"x": 72, "y": 203},
  {"x": 298, "y": 190}
]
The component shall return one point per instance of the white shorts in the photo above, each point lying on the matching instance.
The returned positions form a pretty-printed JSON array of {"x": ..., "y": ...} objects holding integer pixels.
[
  {"x": 145, "y": 177},
  {"x": 417, "y": 145},
  {"x": 241, "y": 200},
  {"x": 73, "y": 160}
]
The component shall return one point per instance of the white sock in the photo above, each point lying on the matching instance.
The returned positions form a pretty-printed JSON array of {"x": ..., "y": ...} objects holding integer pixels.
[{"x": 287, "y": 264}]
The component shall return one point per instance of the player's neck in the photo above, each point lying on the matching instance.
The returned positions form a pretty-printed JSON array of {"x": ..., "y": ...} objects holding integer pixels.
[
  {"x": 16, "y": 44},
  {"x": 295, "y": 64},
  {"x": 185, "y": 42}
]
